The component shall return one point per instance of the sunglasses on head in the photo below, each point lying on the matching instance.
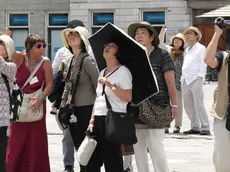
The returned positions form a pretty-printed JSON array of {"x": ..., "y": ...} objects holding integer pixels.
[{"x": 40, "y": 45}]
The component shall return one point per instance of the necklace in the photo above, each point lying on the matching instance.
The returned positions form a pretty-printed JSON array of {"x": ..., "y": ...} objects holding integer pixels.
[{"x": 34, "y": 63}]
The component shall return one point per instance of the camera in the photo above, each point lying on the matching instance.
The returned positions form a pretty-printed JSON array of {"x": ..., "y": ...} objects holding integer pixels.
[{"x": 219, "y": 21}]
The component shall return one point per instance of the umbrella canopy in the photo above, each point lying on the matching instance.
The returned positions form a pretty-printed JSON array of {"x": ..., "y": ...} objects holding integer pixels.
[
  {"x": 220, "y": 12},
  {"x": 133, "y": 56}
]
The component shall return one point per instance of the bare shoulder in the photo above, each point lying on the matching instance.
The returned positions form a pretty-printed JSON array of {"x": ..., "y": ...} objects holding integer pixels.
[
  {"x": 47, "y": 62},
  {"x": 46, "y": 59}
]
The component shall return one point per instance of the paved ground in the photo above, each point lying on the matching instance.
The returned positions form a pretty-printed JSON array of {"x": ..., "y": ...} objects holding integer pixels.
[{"x": 185, "y": 154}]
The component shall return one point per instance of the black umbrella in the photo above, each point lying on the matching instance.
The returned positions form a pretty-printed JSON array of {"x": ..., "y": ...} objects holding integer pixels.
[{"x": 133, "y": 56}]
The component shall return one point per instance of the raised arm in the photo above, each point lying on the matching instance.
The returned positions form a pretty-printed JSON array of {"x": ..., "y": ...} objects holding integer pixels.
[
  {"x": 209, "y": 56},
  {"x": 162, "y": 34}
]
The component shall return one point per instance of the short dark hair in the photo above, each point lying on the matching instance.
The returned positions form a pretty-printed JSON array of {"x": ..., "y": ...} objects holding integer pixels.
[
  {"x": 75, "y": 23},
  {"x": 31, "y": 40}
]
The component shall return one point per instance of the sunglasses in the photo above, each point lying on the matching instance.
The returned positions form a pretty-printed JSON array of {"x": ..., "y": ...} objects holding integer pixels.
[{"x": 38, "y": 46}]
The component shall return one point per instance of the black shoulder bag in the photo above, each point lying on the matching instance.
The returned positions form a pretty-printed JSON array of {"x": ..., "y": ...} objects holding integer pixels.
[
  {"x": 67, "y": 110},
  {"x": 120, "y": 127}
]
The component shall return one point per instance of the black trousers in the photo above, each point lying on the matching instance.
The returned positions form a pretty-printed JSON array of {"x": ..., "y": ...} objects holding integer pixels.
[
  {"x": 106, "y": 153},
  {"x": 58, "y": 100},
  {"x": 77, "y": 130},
  {"x": 3, "y": 146}
]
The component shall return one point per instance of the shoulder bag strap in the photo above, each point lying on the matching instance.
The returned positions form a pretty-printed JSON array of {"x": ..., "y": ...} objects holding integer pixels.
[
  {"x": 33, "y": 73},
  {"x": 74, "y": 90},
  {"x": 109, "y": 107},
  {"x": 69, "y": 69}
]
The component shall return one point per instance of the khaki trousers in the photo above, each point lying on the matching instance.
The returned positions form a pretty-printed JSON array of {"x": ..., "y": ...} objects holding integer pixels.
[{"x": 193, "y": 98}]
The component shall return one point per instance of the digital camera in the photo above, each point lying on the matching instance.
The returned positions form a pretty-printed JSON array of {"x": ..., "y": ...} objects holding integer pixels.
[{"x": 219, "y": 21}]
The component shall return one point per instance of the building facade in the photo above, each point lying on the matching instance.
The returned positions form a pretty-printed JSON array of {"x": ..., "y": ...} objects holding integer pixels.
[
  {"x": 44, "y": 17},
  {"x": 49, "y": 17},
  {"x": 198, "y": 7},
  {"x": 95, "y": 13}
]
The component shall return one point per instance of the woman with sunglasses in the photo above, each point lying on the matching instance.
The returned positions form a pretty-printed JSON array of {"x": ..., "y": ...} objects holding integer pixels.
[
  {"x": 7, "y": 71},
  {"x": 116, "y": 82},
  {"x": 28, "y": 145}
]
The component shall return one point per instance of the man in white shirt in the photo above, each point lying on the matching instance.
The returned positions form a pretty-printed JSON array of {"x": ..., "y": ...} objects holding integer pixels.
[{"x": 193, "y": 75}]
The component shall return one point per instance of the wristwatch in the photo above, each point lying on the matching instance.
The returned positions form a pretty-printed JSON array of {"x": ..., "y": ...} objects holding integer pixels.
[{"x": 113, "y": 88}]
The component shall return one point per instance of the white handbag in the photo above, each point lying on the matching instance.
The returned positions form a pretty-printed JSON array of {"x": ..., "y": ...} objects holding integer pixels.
[
  {"x": 26, "y": 113},
  {"x": 86, "y": 150}
]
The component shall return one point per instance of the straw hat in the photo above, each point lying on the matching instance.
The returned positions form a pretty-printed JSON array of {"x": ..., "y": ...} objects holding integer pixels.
[
  {"x": 133, "y": 27},
  {"x": 83, "y": 33},
  {"x": 9, "y": 44},
  {"x": 180, "y": 36},
  {"x": 194, "y": 29}
]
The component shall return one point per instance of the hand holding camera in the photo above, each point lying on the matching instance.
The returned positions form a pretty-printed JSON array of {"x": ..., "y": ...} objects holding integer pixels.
[{"x": 220, "y": 25}]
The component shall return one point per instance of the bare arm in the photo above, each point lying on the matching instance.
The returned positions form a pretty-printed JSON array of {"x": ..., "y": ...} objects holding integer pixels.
[
  {"x": 162, "y": 34},
  {"x": 18, "y": 57},
  {"x": 209, "y": 56},
  {"x": 48, "y": 77},
  {"x": 123, "y": 94},
  {"x": 170, "y": 82}
]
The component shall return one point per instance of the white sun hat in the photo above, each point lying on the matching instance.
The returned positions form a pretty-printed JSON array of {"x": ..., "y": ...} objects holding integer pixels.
[{"x": 83, "y": 32}]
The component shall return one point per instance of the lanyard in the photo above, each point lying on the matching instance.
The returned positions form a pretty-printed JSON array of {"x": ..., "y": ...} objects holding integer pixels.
[{"x": 103, "y": 92}]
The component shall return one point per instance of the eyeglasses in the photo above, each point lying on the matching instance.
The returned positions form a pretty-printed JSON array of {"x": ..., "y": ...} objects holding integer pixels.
[
  {"x": 38, "y": 46},
  {"x": 142, "y": 32}
]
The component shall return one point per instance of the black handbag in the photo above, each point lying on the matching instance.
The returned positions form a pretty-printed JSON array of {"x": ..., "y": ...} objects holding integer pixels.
[
  {"x": 65, "y": 111},
  {"x": 120, "y": 127}
]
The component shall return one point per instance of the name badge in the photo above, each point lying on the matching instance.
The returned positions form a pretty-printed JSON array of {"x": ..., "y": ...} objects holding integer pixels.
[{"x": 33, "y": 80}]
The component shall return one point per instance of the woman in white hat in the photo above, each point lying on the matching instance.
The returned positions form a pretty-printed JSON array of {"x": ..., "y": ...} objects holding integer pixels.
[
  {"x": 76, "y": 40},
  {"x": 7, "y": 70},
  {"x": 176, "y": 50}
]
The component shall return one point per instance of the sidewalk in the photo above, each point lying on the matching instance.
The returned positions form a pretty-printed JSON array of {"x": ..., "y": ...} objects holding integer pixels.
[{"x": 184, "y": 153}]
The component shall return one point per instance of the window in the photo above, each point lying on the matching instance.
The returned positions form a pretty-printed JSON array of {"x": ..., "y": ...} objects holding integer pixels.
[
  {"x": 156, "y": 18},
  {"x": 18, "y": 20},
  {"x": 99, "y": 19},
  {"x": 58, "y": 19},
  {"x": 19, "y": 24}
]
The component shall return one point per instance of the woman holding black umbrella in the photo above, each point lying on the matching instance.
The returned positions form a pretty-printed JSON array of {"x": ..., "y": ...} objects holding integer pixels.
[{"x": 116, "y": 82}]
